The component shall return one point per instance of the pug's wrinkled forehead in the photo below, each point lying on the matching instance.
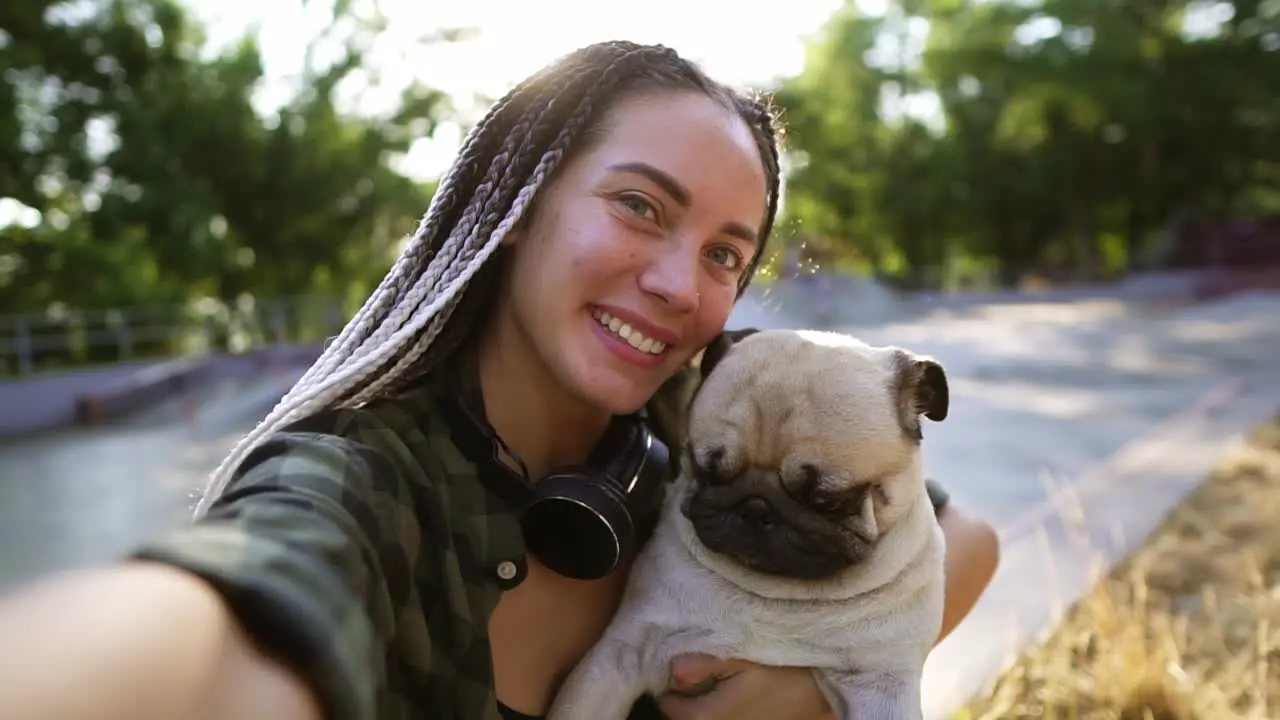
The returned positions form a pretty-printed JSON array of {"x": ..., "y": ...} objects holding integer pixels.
[{"x": 771, "y": 396}]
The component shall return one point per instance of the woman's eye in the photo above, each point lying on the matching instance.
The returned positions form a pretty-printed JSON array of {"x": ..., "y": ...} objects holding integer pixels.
[
  {"x": 639, "y": 206},
  {"x": 726, "y": 256}
]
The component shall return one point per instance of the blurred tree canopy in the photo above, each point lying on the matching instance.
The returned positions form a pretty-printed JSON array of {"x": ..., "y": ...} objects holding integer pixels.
[
  {"x": 156, "y": 181},
  {"x": 1063, "y": 134}
]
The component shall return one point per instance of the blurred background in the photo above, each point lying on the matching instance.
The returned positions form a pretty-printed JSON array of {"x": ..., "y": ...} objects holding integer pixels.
[{"x": 1074, "y": 204}]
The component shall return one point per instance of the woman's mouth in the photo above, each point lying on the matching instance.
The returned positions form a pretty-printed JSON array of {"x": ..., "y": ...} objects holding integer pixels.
[{"x": 628, "y": 334}]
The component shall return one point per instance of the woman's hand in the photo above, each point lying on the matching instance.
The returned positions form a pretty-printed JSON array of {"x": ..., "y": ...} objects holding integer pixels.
[{"x": 707, "y": 688}]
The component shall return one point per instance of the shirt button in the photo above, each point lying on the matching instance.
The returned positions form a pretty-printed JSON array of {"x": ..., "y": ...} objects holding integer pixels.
[{"x": 507, "y": 570}]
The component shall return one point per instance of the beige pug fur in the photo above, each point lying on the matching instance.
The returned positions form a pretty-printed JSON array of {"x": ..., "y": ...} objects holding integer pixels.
[{"x": 798, "y": 532}]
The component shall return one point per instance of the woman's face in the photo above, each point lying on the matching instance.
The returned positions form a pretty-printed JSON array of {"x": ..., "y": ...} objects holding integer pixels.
[{"x": 631, "y": 260}]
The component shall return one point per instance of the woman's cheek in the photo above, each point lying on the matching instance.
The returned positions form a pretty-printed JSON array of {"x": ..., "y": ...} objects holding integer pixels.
[{"x": 713, "y": 313}]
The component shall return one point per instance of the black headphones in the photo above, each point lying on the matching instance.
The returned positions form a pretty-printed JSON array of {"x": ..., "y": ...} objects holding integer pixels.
[{"x": 580, "y": 521}]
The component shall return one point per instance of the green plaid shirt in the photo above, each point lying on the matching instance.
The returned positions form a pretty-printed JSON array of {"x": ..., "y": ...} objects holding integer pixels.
[
  {"x": 361, "y": 547},
  {"x": 364, "y": 549}
]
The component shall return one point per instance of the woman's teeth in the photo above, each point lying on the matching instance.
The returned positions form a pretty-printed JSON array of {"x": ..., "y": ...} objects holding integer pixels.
[{"x": 628, "y": 334}]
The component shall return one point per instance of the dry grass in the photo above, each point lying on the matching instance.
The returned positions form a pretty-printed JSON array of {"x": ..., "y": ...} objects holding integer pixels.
[{"x": 1188, "y": 628}]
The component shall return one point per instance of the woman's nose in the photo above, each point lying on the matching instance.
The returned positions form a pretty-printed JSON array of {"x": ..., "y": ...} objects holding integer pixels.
[{"x": 673, "y": 277}]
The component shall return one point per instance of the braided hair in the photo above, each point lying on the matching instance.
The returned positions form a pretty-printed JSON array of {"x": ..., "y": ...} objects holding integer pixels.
[{"x": 444, "y": 279}]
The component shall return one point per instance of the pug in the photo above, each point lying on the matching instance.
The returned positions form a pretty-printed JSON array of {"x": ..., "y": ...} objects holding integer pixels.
[{"x": 798, "y": 532}]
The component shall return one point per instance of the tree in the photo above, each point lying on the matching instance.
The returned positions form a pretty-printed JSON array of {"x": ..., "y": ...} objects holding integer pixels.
[
  {"x": 152, "y": 179},
  {"x": 1070, "y": 132},
  {"x": 156, "y": 179}
]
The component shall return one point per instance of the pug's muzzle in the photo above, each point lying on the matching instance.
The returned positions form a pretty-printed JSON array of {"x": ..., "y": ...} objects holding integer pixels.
[{"x": 754, "y": 521}]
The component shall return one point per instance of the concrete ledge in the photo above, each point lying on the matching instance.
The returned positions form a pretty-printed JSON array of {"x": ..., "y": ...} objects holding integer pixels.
[
  {"x": 94, "y": 396},
  {"x": 151, "y": 385},
  {"x": 34, "y": 405},
  {"x": 139, "y": 390}
]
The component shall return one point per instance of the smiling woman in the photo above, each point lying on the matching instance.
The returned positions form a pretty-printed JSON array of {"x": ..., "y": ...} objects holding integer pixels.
[
  {"x": 366, "y": 551},
  {"x": 641, "y": 228}
]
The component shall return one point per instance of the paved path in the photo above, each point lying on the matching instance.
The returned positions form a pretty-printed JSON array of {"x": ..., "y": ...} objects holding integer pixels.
[{"x": 1041, "y": 394}]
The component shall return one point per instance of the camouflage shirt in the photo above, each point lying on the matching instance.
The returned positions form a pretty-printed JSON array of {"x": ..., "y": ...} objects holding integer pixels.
[{"x": 365, "y": 549}]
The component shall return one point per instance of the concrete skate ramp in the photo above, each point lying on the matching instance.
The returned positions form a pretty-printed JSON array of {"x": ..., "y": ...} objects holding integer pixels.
[
  {"x": 232, "y": 402},
  {"x": 32, "y": 404},
  {"x": 122, "y": 393}
]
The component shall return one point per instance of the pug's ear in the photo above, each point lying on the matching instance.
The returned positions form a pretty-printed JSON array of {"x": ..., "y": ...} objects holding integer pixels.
[
  {"x": 920, "y": 385},
  {"x": 715, "y": 352}
]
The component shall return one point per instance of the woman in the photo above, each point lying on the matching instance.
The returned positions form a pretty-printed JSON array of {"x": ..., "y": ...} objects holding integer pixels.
[{"x": 357, "y": 555}]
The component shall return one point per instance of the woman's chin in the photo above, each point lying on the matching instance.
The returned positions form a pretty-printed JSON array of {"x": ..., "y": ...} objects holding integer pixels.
[
  {"x": 618, "y": 395},
  {"x": 607, "y": 382},
  {"x": 624, "y": 404}
]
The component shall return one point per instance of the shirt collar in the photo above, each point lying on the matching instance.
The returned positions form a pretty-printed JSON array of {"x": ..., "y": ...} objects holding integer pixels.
[{"x": 485, "y": 497}]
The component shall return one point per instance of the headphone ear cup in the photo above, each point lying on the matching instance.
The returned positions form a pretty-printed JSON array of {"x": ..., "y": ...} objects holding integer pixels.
[{"x": 578, "y": 524}]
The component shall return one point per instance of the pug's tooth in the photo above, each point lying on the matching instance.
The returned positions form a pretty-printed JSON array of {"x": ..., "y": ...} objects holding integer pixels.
[{"x": 869, "y": 515}]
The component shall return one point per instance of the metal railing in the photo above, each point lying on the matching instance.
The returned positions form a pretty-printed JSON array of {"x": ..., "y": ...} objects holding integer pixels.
[{"x": 64, "y": 339}]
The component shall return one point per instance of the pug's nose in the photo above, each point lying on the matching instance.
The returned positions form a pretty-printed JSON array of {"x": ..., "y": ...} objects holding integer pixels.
[{"x": 757, "y": 513}]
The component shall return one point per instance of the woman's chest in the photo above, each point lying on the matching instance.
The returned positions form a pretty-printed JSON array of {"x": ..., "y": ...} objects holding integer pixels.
[{"x": 540, "y": 629}]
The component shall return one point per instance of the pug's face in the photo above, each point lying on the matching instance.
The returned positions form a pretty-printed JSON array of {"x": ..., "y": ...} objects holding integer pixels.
[{"x": 803, "y": 448}]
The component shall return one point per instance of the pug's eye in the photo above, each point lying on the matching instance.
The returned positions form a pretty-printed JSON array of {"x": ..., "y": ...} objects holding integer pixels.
[
  {"x": 709, "y": 467},
  {"x": 714, "y": 459},
  {"x": 826, "y": 502},
  {"x": 810, "y": 475},
  {"x": 801, "y": 482}
]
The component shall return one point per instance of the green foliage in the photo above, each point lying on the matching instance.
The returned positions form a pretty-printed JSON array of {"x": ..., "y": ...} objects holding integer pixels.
[
  {"x": 1066, "y": 136},
  {"x": 1070, "y": 133},
  {"x": 155, "y": 179}
]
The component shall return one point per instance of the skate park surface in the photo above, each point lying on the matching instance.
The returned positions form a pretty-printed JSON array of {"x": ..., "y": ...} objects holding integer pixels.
[{"x": 1069, "y": 417}]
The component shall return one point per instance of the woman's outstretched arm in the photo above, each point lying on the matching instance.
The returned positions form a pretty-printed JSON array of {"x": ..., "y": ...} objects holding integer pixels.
[
  {"x": 203, "y": 621},
  {"x": 136, "y": 641}
]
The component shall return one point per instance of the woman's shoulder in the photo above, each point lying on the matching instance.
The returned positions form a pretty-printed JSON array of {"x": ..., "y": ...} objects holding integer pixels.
[
  {"x": 406, "y": 431},
  {"x": 362, "y": 461},
  {"x": 402, "y": 451}
]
